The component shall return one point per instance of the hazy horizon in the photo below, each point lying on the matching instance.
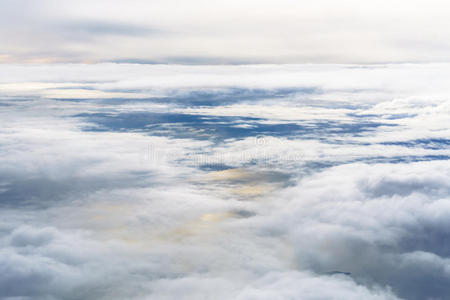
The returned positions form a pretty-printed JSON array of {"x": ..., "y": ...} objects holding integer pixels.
[{"x": 231, "y": 32}]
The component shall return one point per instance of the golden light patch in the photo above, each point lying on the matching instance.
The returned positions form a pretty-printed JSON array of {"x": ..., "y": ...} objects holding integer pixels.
[
  {"x": 239, "y": 181},
  {"x": 5, "y": 58},
  {"x": 216, "y": 217},
  {"x": 253, "y": 190},
  {"x": 230, "y": 174},
  {"x": 111, "y": 221},
  {"x": 87, "y": 94}
]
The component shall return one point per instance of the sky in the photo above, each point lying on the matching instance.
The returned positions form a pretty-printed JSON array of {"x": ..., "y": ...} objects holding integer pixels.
[
  {"x": 224, "y": 32},
  {"x": 235, "y": 150}
]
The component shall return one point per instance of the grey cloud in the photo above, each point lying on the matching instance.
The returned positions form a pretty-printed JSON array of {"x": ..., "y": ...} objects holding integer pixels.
[{"x": 382, "y": 238}]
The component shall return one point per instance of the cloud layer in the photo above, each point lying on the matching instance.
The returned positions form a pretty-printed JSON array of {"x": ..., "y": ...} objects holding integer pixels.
[{"x": 229, "y": 182}]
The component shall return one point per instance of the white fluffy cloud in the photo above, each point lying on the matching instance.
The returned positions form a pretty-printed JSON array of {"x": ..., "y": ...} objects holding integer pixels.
[{"x": 239, "y": 182}]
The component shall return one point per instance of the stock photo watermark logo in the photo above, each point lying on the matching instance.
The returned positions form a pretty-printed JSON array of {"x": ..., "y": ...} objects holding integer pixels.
[{"x": 263, "y": 150}]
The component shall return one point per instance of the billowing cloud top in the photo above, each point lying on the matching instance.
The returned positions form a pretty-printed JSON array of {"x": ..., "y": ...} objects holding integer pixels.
[
  {"x": 142, "y": 182},
  {"x": 224, "y": 32}
]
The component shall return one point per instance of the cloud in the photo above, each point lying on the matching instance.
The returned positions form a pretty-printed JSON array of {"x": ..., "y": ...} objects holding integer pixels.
[
  {"x": 377, "y": 222},
  {"x": 186, "y": 187},
  {"x": 53, "y": 265}
]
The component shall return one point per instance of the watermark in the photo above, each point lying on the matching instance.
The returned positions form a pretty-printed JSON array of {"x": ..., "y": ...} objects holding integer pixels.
[
  {"x": 259, "y": 153},
  {"x": 261, "y": 141}
]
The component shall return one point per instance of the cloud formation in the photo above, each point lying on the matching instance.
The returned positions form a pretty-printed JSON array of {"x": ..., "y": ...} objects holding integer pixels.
[{"x": 188, "y": 182}]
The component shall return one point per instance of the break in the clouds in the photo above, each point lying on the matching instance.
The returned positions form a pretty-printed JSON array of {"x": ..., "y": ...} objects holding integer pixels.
[
  {"x": 224, "y": 32},
  {"x": 126, "y": 181}
]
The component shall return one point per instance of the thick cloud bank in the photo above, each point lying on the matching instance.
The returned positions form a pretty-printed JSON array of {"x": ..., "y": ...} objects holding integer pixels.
[{"x": 234, "y": 182}]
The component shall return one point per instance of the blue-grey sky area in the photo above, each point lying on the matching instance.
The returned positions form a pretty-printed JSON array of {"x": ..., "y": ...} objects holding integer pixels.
[
  {"x": 128, "y": 181},
  {"x": 224, "y": 32}
]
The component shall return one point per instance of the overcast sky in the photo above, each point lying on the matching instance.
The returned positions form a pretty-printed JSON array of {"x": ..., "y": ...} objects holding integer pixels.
[{"x": 224, "y": 32}]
